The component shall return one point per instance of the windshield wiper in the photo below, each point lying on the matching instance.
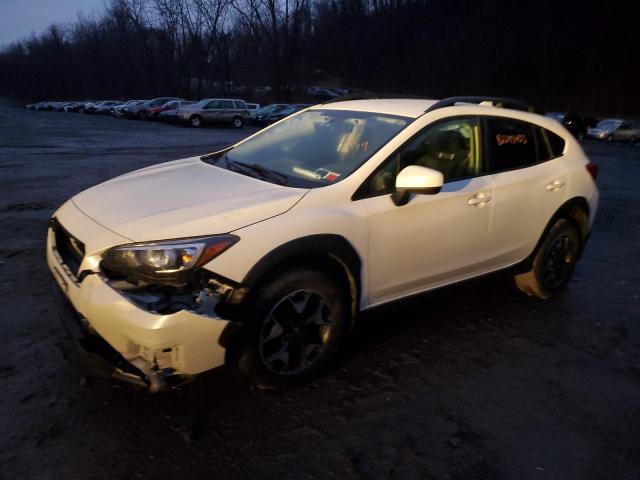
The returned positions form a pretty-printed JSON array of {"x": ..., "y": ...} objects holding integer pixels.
[{"x": 264, "y": 172}]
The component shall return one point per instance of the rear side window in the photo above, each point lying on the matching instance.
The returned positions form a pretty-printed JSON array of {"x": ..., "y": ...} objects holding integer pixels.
[
  {"x": 511, "y": 144},
  {"x": 556, "y": 142}
]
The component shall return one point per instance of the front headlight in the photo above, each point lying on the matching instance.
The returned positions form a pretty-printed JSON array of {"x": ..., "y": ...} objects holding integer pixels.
[{"x": 166, "y": 260}]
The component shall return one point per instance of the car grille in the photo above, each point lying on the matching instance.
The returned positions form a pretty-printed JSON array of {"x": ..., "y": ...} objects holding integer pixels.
[{"x": 70, "y": 249}]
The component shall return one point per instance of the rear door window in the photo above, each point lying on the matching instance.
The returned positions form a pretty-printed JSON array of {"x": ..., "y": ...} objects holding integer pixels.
[
  {"x": 226, "y": 104},
  {"x": 511, "y": 144}
]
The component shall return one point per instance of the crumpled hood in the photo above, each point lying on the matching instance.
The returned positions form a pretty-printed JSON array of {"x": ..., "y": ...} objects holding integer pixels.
[{"x": 183, "y": 198}]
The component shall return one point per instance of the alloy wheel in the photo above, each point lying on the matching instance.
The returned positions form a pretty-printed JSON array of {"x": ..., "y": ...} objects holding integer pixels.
[
  {"x": 295, "y": 333},
  {"x": 559, "y": 262}
]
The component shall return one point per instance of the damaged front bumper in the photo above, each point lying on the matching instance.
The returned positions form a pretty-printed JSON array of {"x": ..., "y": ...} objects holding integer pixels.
[{"x": 144, "y": 347}]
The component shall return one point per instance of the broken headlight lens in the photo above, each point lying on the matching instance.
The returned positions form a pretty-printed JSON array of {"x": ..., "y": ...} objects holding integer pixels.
[{"x": 165, "y": 259}]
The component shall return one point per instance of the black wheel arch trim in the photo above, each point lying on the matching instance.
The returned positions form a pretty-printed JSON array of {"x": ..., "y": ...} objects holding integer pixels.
[
  {"x": 334, "y": 251},
  {"x": 576, "y": 210}
]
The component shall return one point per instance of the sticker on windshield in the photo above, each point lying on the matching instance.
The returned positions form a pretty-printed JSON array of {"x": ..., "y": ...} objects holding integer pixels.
[{"x": 328, "y": 175}]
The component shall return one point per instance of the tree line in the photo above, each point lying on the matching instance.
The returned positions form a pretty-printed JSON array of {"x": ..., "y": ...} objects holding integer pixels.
[{"x": 558, "y": 54}]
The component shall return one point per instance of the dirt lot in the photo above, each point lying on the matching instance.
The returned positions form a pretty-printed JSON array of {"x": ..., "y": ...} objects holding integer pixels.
[{"x": 473, "y": 381}]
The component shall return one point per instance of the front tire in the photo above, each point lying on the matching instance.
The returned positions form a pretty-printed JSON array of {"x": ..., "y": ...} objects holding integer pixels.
[
  {"x": 195, "y": 121},
  {"x": 297, "y": 325},
  {"x": 554, "y": 261},
  {"x": 237, "y": 122},
  {"x": 610, "y": 138}
]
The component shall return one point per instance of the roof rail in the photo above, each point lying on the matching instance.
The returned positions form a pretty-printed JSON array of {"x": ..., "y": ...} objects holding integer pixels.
[
  {"x": 495, "y": 102},
  {"x": 371, "y": 96}
]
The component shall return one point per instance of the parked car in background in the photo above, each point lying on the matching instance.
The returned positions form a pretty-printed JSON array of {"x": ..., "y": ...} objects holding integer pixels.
[
  {"x": 263, "y": 111},
  {"x": 280, "y": 113},
  {"x": 153, "y": 113},
  {"x": 253, "y": 107},
  {"x": 141, "y": 110},
  {"x": 171, "y": 115},
  {"x": 72, "y": 106},
  {"x": 615, "y": 129},
  {"x": 47, "y": 105},
  {"x": 123, "y": 110},
  {"x": 215, "y": 110},
  {"x": 93, "y": 107},
  {"x": 58, "y": 106},
  {"x": 107, "y": 108},
  {"x": 80, "y": 108}
]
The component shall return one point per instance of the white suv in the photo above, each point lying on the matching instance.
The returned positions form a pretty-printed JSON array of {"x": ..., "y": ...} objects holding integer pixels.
[{"x": 265, "y": 252}]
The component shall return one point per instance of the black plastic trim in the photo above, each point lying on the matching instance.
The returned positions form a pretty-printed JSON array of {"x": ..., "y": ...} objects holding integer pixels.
[
  {"x": 499, "y": 102},
  {"x": 303, "y": 249}
]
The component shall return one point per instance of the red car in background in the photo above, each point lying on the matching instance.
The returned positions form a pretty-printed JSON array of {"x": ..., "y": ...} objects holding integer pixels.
[{"x": 153, "y": 113}]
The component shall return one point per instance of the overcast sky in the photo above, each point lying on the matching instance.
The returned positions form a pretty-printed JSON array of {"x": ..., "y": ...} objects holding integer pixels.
[{"x": 18, "y": 18}]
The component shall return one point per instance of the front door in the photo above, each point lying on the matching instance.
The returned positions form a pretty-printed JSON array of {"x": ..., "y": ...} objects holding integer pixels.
[{"x": 433, "y": 239}]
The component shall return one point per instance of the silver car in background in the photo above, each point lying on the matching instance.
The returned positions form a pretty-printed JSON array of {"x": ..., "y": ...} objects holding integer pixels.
[
  {"x": 215, "y": 110},
  {"x": 615, "y": 129}
]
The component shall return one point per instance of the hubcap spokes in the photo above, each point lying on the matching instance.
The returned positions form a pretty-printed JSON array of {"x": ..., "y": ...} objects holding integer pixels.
[{"x": 295, "y": 332}]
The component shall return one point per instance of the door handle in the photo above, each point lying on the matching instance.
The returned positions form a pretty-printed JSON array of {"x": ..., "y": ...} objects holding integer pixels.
[
  {"x": 479, "y": 200},
  {"x": 554, "y": 186}
]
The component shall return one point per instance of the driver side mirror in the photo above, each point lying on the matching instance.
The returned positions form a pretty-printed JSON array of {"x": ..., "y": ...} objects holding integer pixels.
[{"x": 416, "y": 179}]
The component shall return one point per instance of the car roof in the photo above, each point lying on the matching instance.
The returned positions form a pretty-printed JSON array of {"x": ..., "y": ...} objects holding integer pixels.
[
  {"x": 232, "y": 99},
  {"x": 406, "y": 107}
]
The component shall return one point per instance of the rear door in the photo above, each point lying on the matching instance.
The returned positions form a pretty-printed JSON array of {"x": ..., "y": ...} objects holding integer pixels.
[
  {"x": 227, "y": 111},
  {"x": 528, "y": 185}
]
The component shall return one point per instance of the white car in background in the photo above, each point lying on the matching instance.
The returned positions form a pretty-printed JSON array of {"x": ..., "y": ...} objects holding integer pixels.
[{"x": 265, "y": 252}]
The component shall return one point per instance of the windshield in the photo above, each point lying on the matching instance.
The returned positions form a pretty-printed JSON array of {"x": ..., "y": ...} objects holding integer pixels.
[
  {"x": 316, "y": 147},
  {"x": 609, "y": 124}
]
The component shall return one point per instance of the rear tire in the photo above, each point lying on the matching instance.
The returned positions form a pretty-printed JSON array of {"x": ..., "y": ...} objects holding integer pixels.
[
  {"x": 297, "y": 324},
  {"x": 237, "y": 122},
  {"x": 554, "y": 261}
]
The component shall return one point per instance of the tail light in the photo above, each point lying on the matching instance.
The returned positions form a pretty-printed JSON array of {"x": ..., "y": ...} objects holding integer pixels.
[{"x": 593, "y": 169}]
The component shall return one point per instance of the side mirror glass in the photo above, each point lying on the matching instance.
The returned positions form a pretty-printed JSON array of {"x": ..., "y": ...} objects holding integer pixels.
[{"x": 416, "y": 179}]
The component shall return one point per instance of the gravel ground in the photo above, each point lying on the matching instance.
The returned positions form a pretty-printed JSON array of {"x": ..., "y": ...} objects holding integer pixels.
[{"x": 475, "y": 381}]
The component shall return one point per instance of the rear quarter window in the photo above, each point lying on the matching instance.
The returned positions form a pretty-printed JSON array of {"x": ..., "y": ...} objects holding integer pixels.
[{"x": 556, "y": 143}]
